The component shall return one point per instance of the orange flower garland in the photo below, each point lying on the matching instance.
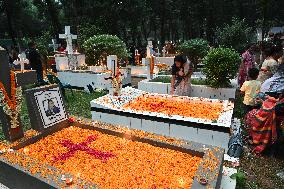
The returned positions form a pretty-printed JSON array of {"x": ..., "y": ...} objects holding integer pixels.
[
  {"x": 175, "y": 106},
  {"x": 136, "y": 164},
  {"x": 11, "y": 106},
  {"x": 12, "y": 102}
]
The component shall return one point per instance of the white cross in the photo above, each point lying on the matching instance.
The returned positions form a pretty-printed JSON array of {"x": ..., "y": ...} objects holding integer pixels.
[
  {"x": 149, "y": 47},
  {"x": 54, "y": 45},
  {"x": 22, "y": 60},
  {"x": 164, "y": 51},
  {"x": 68, "y": 37}
]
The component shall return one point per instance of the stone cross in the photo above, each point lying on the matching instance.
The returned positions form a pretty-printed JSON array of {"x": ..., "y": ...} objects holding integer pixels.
[
  {"x": 22, "y": 60},
  {"x": 164, "y": 51},
  {"x": 149, "y": 49},
  {"x": 68, "y": 37},
  {"x": 11, "y": 134},
  {"x": 54, "y": 45}
]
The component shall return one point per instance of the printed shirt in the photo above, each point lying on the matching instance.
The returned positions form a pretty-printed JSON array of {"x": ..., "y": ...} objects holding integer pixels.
[{"x": 251, "y": 88}]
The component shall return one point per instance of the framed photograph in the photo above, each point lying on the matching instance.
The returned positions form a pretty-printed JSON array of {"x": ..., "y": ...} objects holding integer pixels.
[{"x": 50, "y": 106}]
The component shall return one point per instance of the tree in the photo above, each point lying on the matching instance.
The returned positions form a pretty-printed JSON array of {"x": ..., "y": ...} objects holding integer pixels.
[
  {"x": 195, "y": 49},
  {"x": 98, "y": 47},
  {"x": 236, "y": 35}
]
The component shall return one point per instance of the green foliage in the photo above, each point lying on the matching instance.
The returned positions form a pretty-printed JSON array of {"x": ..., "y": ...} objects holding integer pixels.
[
  {"x": 167, "y": 79},
  {"x": 195, "y": 49},
  {"x": 42, "y": 42},
  {"x": 240, "y": 178},
  {"x": 236, "y": 35},
  {"x": 99, "y": 47},
  {"x": 85, "y": 31},
  {"x": 221, "y": 65},
  {"x": 79, "y": 104}
]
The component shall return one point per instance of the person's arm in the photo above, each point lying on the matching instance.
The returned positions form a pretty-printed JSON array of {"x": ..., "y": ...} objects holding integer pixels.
[
  {"x": 173, "y": 84},
  {"x": 243, "y": 89}
]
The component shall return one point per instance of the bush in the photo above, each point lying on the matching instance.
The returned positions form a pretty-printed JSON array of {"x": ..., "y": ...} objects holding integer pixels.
[
  {"x": 167, "y": 79},
  {"x": 85, "y": 31},
  {"x": 221, "y": 65},
  {"x": 98, "y": 47},
  {"x": 237, "y": 35},
  {"x": 195, "y": 49}
]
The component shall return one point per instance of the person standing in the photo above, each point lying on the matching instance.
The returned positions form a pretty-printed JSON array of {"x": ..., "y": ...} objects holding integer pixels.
[
  {"x": 35, "y": 61},
  {"x": 181, "y": 74},
  {"x": 247, "y": 64}
]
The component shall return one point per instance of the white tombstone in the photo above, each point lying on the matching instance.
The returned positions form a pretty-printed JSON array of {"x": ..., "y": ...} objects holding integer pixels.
[
  {"x": 164, "y": 51},
  {"x": 158, "y": 52},
  {"x": 68, "y": 37},
  {"x": 22, "y": 60},
  {"x": 112, "y": 64},
  {"x": 54, "y": 45},
  {"x": 81, "y": 58},
  {"x": 149, "y": 49}
]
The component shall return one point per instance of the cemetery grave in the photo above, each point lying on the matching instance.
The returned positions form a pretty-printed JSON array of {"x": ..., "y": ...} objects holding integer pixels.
[
  {"x": 84, "y": 147},
  {"x": 73, "y": 70},
  {"x": 134, "y": 109}
]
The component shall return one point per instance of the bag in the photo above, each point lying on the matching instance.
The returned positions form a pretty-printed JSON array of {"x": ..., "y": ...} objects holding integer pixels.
[{"x": 235, "y": 146}]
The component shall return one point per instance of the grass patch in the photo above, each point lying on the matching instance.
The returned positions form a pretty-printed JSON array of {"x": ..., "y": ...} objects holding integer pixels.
[
  {"x": 167, "y": 79},
  {"x": 79, "y": 104}
]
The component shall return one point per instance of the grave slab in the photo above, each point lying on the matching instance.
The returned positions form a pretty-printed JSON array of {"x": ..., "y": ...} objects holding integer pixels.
[
  {"x": 212, "y": 133},
  {"x": 30, "y": 180}
]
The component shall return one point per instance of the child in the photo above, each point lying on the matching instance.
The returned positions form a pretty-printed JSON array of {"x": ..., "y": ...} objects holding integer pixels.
[{"x": 250, "y": 89}]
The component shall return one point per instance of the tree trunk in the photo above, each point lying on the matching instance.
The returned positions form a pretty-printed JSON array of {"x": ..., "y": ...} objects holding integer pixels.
[
  {"x": 54, "y": 18},
  {"x": 163, "y": 37},
  {"x": 7, "y": 7}
]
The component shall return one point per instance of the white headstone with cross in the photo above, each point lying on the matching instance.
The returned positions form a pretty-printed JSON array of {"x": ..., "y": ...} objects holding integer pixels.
[
  {"x": 54, "y": 45},
  {"x": 22, "y": 60},
  {"x": 149, "y": 49},
  {"x": 164, "y": 51},
  {"x": 68, "y": 37}
]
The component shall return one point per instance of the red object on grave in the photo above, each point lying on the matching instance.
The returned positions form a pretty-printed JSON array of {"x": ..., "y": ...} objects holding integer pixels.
[
  {"x": 51, "y": 60},
  {"x": 83, "y": 146}
]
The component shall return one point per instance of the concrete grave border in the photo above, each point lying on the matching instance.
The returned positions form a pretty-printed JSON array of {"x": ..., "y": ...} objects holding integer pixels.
[{"x": 193, "y": 148}]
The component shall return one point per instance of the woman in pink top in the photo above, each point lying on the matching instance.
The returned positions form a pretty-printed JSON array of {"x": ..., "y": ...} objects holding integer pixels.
[{"x": 248, "y": 63}]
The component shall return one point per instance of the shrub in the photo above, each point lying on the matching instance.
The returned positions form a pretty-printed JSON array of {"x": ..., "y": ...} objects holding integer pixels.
[
  {"x": 98, "y": 47},
  {"x": 167, "y": 79},
  {"x": 221, "y": 65},
  {"x": 85, "y": 31},
  {"x": 195, "y": 49},
  {"x": 237, "y": 35}
]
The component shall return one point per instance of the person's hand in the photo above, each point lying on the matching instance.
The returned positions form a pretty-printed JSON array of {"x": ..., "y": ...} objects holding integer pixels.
[{"x": 180, "y": 73}]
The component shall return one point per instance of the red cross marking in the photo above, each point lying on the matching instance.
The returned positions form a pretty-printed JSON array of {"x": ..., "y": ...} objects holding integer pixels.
[{"x": 83, "y": 146}]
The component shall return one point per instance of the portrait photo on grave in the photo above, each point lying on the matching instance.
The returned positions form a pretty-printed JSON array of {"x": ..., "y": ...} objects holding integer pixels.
[{"x": 50, "y": 106}]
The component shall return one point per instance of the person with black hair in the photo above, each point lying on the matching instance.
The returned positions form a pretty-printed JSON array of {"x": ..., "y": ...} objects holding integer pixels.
[
  {"x": 181, "y": 73},
  {"x": 51, "y": 108},
  {"x": 250, "y": 89},
  {"x": 270, "y": 65},
  {"x": 35, "y": 61}
]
